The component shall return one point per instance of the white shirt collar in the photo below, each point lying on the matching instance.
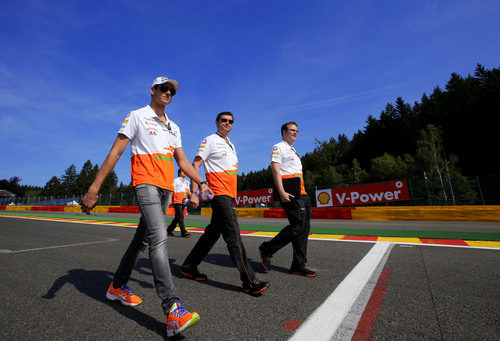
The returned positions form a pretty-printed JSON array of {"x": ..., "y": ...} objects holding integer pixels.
[{"x": 153, "y": 114}]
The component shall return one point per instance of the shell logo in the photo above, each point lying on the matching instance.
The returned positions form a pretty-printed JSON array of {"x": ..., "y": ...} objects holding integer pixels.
[{"x": 324, "y": 198}]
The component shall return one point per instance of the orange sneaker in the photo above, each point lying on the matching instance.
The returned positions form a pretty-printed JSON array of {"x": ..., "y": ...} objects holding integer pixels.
[
  {"x": 179, "y": 319},
  {"x": 123, "y": 294}
]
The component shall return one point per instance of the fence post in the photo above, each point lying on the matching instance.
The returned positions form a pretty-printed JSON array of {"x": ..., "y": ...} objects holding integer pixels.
[
  {"x": 449, "y": 178},
  {"x": 411, "y": 189},
  {"x": 480, "y": 191},
  {"x": 427, "y": 188}
]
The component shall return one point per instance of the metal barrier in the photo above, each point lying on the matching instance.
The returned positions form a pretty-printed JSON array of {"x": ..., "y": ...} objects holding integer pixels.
[{"x": 424, "y": 191}]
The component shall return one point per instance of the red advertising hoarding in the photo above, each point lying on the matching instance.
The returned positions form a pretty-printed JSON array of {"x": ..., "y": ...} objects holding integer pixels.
[
  {"x": 257, "y": 197},
  {"x": 373, "y": 193}
]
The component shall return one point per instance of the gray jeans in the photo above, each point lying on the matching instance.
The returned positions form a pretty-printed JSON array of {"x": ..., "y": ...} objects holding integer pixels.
[{"x": 153, "y": 203}]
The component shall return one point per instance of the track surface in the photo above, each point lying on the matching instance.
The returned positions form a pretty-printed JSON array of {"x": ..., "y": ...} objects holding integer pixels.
[{"x": 54, "y": 275}]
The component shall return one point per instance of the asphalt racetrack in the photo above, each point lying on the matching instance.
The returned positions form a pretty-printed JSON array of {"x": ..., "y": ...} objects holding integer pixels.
[{"x": 54, "y": 275}]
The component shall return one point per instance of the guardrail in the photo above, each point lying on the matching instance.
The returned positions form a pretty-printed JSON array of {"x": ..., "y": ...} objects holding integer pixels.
[{"x": 432, "y": 213}]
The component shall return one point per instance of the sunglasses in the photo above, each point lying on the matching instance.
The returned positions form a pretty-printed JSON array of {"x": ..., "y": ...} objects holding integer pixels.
[
  {"x": 224, "y": 120},
  {"x": 164, "y": 88}
]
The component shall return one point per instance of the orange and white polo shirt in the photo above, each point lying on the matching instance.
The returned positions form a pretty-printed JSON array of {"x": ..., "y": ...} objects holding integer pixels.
[
  {"x": 221, "y": 164},
  {"x": 152, "y": 145},
  {"x": 291, "y": 167},
  {"x": 181, "y": 190}
]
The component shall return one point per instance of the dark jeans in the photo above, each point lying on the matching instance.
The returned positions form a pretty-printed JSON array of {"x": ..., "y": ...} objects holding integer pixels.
[
  {"x": 153, "y": 203},
  {"x": 224, "y": 221},
  {"x": 179, "y": 218},
  {"x": 298, "y": 212}
]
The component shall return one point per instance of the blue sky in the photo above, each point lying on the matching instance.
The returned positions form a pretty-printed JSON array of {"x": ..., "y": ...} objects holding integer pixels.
[{"x": 71, "y": 70}]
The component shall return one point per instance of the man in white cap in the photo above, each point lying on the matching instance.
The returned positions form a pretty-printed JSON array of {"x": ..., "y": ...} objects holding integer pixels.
[{"x": 155, "y": 142}]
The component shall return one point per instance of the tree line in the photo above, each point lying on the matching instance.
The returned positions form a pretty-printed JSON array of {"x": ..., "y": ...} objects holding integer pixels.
[
  {"x": 443, "y": 136},
  {"x": 71, "y": 183},
  {"x": 438, "y": 139}
]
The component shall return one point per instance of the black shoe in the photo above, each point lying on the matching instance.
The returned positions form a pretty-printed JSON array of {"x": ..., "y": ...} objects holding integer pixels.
[
  {"x": 170, "y": 233},
  {"x": 185, "y": 235},
  {"x": 255, "y": 287},
  {"x": 265, "y": 260},
  {"x": 193, "y": 273},
  {"x": 303, "y": 271}
]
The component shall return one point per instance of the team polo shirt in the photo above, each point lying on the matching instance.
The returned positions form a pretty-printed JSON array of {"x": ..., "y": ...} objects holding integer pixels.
[
  {"x": 152, "y": 147},
  {"x": 291, "y": 167},
  {"x": 221, "y": 164},
  {"x": 181, "y": 190}
]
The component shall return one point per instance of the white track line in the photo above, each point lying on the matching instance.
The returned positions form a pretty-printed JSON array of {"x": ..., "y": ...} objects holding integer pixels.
[
  {"x": 402, "y": 243},
  {"x": 327, "y": 318},
  {"x": 70, "y": 220},
  {"x": 108, "y": 240},
  {"x": 348, "y": 327}
]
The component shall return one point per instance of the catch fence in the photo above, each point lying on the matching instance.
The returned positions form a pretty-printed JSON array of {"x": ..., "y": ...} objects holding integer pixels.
[{"x": 424, "y": 191}]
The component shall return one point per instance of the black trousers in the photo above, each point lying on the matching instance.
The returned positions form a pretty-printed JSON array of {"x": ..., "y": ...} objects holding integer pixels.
[
  {"x": 178, "y": 219},
  {"x": 224, "y": 221},
  {"x": 298, "y": 212}
]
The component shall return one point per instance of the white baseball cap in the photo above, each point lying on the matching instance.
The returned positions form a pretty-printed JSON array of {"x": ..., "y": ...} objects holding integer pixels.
[{"x": 163, "y": 80}]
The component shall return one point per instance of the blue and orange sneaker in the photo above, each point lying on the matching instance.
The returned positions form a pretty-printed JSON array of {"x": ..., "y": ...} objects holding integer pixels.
[
  {"x": 179, "y": 319},
  {"x": 123, "y": 294}
]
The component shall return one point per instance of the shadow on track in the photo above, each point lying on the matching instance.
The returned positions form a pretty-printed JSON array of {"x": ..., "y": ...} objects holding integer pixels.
[
  {"x": 144, "y": 267},
  {"x": 94, "y": 284},
  {"x": 225, "y": 260}
]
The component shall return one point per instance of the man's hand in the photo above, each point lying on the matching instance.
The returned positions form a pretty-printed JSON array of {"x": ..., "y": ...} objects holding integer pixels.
[
  {"x": 194, "y": 201},
  {"x": 286, "y": 197},
  {"x": 89, "y": 201},
  {"x": 206, "y": 190}
]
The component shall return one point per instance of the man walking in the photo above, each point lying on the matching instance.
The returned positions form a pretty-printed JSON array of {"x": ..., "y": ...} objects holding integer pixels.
[
  {"x": 181, "y": 192},
  {"x": 218, "y": 155},
  {"x": 155, "y": 142},
  {"x": 287, "y": 175}
]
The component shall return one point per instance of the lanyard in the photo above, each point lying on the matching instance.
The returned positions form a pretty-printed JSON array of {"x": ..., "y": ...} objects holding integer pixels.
[{"x": 229, "y": 144}]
